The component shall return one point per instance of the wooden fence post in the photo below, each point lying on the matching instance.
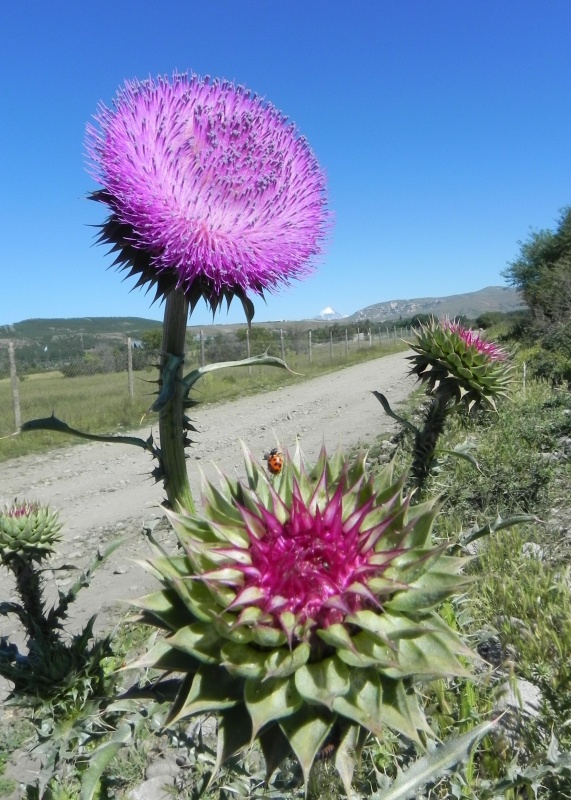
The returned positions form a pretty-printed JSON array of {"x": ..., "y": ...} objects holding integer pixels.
[
  {"x": 14, "y": 383},
  {"x": 130, "y": 367},
  {"x": 310, "y": 349},
  {"x": 346, "y": 344},
  {"x": 331, "y": 345},
  {"x": 248, "y": 353},
  {"x": 202, "y": 359},
  {"x": 282, "y": 344}
]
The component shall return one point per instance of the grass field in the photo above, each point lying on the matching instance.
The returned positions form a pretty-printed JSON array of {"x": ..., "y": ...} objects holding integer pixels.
[{"x": 101, "y": 404}]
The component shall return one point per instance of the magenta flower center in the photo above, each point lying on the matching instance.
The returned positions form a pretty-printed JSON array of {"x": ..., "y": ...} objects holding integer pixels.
[
  {"x": 312, "y": 564},
  {"x": 473, "y": 339},
  {"x": 22, "y": 510}
]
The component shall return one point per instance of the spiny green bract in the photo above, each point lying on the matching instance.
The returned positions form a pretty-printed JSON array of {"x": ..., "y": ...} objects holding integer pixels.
[
  {"x": 456, "y": 364},
  {"x": 303, "y": 606},
  {"x": 28, "y": 530}
]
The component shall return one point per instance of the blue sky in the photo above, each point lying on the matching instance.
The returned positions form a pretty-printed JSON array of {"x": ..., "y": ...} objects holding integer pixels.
[{"x": 443, "y": 127}]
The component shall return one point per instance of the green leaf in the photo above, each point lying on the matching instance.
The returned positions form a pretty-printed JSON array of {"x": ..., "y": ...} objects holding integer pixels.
[
  {"x": 54, "y": 424},
  {"x": 363, "y": 701},
  {"x": 234, "y": 734},
  {"x": 388, "y": 410},
  {"x": 306, "y": 732},
  {"x": 275, "y": 748},
  {"x": 263, "y": 360},
  {"x": 243, "y": 661},
  {"x": 270, "y": 700},
  {"x": 162, "y": 656},
  {"x": 200, "y": 640},
  {"x": 347, "y": 753},
  {"x": 165, "y": 608},
  {"x": 322, "y": 682},
  {"x": 168, "y": 382},
  {"x": 435, "y": 764},
  {"x": 498, "y": 525},
  {"x": 336, "y": 635},
  {"x": 428, "y": 655},
  {"x": 98, "y": 762},
  {"x": 282, "y": 663},
  {"x": 395, "y": 710},
  {"x": 210, "y": 689}
]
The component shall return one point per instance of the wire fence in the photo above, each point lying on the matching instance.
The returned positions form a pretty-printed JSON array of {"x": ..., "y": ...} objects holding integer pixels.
[{"x": 110, "y": 387}]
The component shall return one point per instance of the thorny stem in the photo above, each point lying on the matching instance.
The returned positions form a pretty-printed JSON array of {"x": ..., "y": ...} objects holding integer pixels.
[
  {"x": 426, "y": 440},
  {"x": 29, "y": 587},
  {"x": 171, "y": 418}
]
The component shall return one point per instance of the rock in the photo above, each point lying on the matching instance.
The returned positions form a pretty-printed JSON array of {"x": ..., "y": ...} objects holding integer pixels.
[
  {"x": 525, "y": 698},
  {"x": 162, "y": 767},
  {"x": 158, "y": 788},
  {"x": 533, "y": 550},
  {"x": 491, "y": 650}
]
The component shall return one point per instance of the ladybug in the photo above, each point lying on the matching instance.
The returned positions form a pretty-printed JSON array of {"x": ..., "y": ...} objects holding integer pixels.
[{"x": 275, "y": 461}]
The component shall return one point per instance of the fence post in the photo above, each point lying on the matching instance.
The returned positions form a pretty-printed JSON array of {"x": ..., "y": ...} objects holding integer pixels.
[
  {"x": 388, "y": 335},
  {"x": 14, "y": 382},
  {"x": 310, "y": 349},
  {"x": 130, "y": 367},
  {"x": 370, "y": 338},
  {"x": 395, "y": 330},
  {"x": 346, "y": 344},
  {"x": 358, "y": 339},
  {"x": 248, "y": 353},
  {"x": 282, "y": 347},
  {"x": 202, "y": 359},
  {"x": 331, "y": 345}
]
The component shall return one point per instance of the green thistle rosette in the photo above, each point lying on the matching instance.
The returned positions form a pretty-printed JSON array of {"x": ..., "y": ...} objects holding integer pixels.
[
  {"x": 28, "y": 531},
  {"x": 304, "y": 607},
  {"x": 459, "y": 366}
]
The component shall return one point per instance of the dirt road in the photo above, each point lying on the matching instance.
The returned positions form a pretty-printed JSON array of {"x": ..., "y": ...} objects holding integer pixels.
[{"x": 104, "y": 490}]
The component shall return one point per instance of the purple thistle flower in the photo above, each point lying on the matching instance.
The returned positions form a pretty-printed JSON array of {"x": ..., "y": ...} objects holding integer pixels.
[{"x": 211, "y": 189}]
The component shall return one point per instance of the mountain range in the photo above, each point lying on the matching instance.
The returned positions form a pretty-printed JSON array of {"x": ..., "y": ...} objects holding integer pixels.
[
  {"x": 91, "y": 330},
  {"x": 470, "y": 304}
]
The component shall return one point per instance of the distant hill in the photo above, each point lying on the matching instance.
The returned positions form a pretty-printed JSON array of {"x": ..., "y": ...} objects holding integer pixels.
[
  {"x": 471, "y": 304},
  {"x": 70, "y": 338},
  {"x": 74, "y": 326},
  {"x": 76, "y": 335}
]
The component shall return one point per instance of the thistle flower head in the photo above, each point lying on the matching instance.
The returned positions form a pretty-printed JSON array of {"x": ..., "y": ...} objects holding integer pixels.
[
  {"x": 27, "y": 530},
  {"x": 303, "y": 601},
  {"x": 474, "y": 340},
  {"x": 211, "y": 189},
  {"x": 459, "y": 365}
]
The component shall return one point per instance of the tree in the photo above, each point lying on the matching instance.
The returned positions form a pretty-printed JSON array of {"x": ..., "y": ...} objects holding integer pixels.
[
  {"x": 542, "y": 272},
  {"x": 152, "y": 339}
]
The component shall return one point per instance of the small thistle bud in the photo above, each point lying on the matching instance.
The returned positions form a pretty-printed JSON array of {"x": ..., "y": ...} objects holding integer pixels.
[
  {"x": 27, "y": 531},
  {"x": 302, "y": 601},
  {"x": 458, "y": 365}
]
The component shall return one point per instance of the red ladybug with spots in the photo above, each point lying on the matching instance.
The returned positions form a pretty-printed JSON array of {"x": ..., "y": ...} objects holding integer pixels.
[{"x": 275, "y": 461}]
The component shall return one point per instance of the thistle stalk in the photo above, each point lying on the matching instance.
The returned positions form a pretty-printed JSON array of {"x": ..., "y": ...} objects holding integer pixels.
[
  {"x": 172, "y": 417},
  {"x": 29, "y": 587},
  {"x": 426, "y": 440}
]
